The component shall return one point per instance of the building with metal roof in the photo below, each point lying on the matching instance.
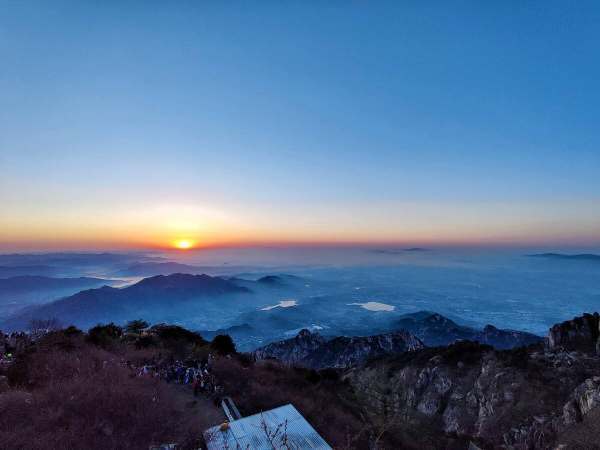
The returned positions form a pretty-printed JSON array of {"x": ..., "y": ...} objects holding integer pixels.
[{"x": 280, "y": 428}]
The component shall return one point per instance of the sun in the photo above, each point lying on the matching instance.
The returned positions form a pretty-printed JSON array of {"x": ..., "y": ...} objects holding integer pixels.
[{"x": 183, "y": 244}]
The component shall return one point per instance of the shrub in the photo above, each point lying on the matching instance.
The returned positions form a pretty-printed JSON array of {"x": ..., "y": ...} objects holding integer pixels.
[
  {"x": 266, "y": 385},
  {"x": 177, "y": 340},
  {"x": 72, "y": 331},
  {"x": 105, "y": 336},
  {"x": 223, "y": 344},
  {"x": 39, "y": 327},
  {"x": 87, "y": 398},
  {"x": 177, "y": 333},
  {"x": 136, "y": 326},
  {"x": 145, "y": 342}
]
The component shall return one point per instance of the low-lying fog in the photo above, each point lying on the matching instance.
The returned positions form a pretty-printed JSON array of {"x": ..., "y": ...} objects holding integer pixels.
[
  {"x": 507, "y": 288},
  {"x": 342, "y": 289}
]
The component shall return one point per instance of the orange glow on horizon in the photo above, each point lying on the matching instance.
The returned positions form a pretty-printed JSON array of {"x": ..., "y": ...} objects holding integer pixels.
[
  {"x": 183, "y": 244},
  {"x": 192, "y": 226}
]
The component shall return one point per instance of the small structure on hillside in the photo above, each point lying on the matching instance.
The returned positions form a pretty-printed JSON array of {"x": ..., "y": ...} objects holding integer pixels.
[
  {"x": 230, "y": 409},
  {"x": 282, "y": 427}
]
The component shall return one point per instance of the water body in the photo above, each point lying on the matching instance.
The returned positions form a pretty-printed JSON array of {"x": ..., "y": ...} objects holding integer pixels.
[
  {"x": 374, "y": 306},
  {"x": 281, "y": 304}
]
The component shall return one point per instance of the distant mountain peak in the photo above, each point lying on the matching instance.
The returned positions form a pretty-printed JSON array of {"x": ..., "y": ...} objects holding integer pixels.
[
  {"x": 147, "y": 269},
  {"x": 183, "y": 281},
  {"x": 270, "y": 279},
  {"x": 435, "y": 329},
  {"x": 305, "y": 333},
  {"x": 564, "y": 256},
  {"x": 398, "y": 251},
  {"x": 149, "y": 295}
]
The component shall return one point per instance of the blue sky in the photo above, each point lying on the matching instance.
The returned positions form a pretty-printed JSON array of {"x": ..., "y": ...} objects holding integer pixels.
[{"x": 299, "y": 121}]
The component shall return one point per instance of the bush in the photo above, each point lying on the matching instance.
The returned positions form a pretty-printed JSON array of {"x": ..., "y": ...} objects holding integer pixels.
[
  {"x": 136, "y": 326},
  {"x": 88, "y": 398},
  {"x": 179, "y": 341},
  {"x": 330, "y": 374},
  {"x": 267, "y": 385},
  {"x": 223, "y": 345},
  {"x": 39, "y": 327},
  {"x": 101, "y": 407},
  {"x": 313, "y": 376},
  {"x": 72, "y": 331},
  {"x": 105, "y": 336},
  {"x": 145, "y": 342},
  {"x": 177, "y": 333}
]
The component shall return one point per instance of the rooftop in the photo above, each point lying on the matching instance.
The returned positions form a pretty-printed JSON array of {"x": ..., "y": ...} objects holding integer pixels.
[{"x": 282, "y": 427}]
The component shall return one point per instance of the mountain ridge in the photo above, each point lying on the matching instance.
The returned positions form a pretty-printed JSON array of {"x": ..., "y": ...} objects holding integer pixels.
[
  {"x": 161, "y": 293},
  {"x": 417, "y": 330},
  {"x": 526, "y": 397},
  {"x": 313, "y": 351},
  {"x": 564, "y": 256},
  {"x": 434, "y": 329}
]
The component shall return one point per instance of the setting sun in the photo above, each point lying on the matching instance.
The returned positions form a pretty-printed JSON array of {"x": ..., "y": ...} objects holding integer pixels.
[{"x": 183, "y": 244}]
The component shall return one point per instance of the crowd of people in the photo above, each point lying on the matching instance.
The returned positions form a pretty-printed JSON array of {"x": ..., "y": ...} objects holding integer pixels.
[{"x": 196, "y": 374}]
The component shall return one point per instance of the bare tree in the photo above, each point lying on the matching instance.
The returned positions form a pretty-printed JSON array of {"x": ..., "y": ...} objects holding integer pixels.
[
  {"x": 384, "y": 419},
  {"x": 40, "y": 327},
  {"x": 278, "y": 436}
]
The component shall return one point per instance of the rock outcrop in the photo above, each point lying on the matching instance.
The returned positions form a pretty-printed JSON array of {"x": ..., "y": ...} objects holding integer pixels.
[
  {"x": 314, "y": 351},
  {"x": 520, "y": 398},
  {"x": 581, "y": 333},
  {"x": 292, "y": 351},
  {"x": 542, "y": 431}
]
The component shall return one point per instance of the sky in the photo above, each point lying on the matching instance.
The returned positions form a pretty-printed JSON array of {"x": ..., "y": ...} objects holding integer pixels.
[{"x": 130, "y": 124}]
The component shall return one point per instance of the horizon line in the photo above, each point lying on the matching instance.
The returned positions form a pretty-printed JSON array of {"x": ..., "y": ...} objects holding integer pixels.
[{"x": 391, "y": 245}]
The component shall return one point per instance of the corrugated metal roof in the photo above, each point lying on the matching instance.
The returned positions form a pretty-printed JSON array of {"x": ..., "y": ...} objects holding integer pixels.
[{"x": 265, "y": 431}]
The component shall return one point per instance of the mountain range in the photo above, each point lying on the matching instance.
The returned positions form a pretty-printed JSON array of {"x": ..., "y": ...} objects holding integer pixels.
[
  {"x": 19, "y": 292},
  {"x": 28, "y": 270},
  {"x": 31, "y": 283},
  {"x": 67, "y": 264},
  {"x": 72, "y": 259},
  {"x": 466, "y": 394},
  {"x": 395, "y": 251},
  {"x": 159, "y": 296},
  {"x": 430, "y": 328},
  {"x": 434, "y": 329},
  {"x": 523, "y": 398},
  {"x": 314, "y": 351},
  {"x": 562, "y": 256},
  {"x": 149, "y": 269},
  {"x": 413, "y": 332}
]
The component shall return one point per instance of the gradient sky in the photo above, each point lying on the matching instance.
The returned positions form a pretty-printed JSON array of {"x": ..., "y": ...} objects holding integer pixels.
[{"x": 129, "y": 123}]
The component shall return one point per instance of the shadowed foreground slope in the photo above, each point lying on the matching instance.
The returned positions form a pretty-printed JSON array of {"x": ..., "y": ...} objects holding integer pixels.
[{"x": 74, "y": 390}]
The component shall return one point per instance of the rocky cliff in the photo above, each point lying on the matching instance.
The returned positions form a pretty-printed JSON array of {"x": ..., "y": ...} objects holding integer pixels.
[
  {"x": 314, "y": 351},
  {"x": 581, "y": 333},
  {"x": 520, "y": 398},
  {"x": 411, "y": 331}
]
